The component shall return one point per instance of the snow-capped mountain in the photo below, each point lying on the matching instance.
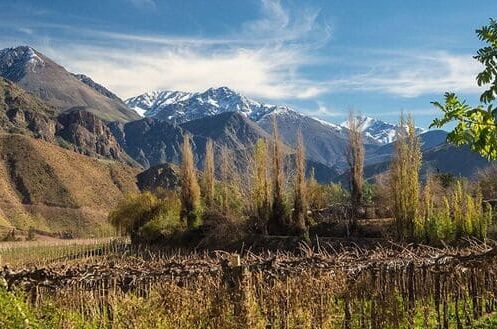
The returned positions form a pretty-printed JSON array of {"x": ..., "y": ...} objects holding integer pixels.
[
  {"x": 41, "y": 76},
  {"x": 15, "y": 61},
  {"x": 181, "y": 107},
  {"x": 380, "y": 131}
]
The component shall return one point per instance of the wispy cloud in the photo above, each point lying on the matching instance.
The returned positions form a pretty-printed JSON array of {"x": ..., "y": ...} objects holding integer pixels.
[
  {"x": 26, "y": 30},
  {"x": 324, "y": 110},
  {"x": 253, "y": 72},
  {"x": 262, "y": 59},
  {"x": 409, "y": 75},
  {"x": 266, "y": 57},
  {"x": 280, "y": 24}
]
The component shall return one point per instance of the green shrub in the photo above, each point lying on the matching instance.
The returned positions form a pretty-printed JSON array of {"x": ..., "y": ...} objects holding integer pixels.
[
  {"x": 449, "y": 214},
  {"x": 323, "y": 195},
  {"x": 145, "y": 217},
  {"x": 15, "y": 312}
]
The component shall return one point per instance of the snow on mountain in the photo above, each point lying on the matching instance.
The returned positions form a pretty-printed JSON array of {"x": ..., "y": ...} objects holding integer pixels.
[
  {"x": 380, "y": 131},
  {"x": 152, "y": 103},
  {"x": 14, "y": 61},
  {"x": 181, "y": 107},
  {"x": 329, "y": 124}
]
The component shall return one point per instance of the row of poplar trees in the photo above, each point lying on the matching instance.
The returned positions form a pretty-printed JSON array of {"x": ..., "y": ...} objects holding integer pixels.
[{"x": 266, "y": 200}]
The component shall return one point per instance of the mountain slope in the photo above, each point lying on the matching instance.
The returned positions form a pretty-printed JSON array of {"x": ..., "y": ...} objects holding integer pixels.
[
  {"x": 456, "y": 160},
  {"x": 231, "y": 129},
  {"x": 20, "y": 112},
  {"x": 152, "y": 141},
  {"x": 44, "y": 78},
  {"x": 428, "y": 140},
  {"x": 323, "y": 144},
  {"x": 438, "y": 156},
  {"x": 52, "y": 189},
  {"x": 149, "y": 141}
]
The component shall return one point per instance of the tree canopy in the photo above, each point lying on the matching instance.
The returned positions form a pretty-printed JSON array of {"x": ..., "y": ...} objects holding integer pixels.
[{"x": 476, "y": 126}]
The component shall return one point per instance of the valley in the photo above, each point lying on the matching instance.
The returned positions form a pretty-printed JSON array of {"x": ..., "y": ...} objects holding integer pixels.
[{"x": 232, "y": 193}]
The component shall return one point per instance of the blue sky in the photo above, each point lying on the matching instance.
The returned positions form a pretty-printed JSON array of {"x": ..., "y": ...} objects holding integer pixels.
[{"x": 323, "y": 58}]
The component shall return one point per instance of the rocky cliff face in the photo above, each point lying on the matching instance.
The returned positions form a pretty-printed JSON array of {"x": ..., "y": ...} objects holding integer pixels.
[
  {"x": 22, "y": 113},
  {"x": 77, "y": 129},
  {"x": 89, "y": 135}
]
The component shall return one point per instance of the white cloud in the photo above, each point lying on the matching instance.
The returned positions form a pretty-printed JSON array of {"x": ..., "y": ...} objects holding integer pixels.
[
  {"x": 413, "y": 75},
  {"x": 263, "y": 73},
  {"x": 263, "y": 59},
  {"x": 322, "y": 111},
  {"x": 26, "y": 30},
  {"x": 327, "y": 111}
]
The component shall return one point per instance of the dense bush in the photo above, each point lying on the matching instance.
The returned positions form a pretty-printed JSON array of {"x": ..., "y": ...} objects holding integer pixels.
[
  {"x": 147, "y": 217},
  {"x": 451, "y": 213},
  {"x": 323, "y": 195}
]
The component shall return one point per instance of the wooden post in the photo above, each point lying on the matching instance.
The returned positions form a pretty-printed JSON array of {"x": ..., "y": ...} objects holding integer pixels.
[{"x": 236, "y": 281}]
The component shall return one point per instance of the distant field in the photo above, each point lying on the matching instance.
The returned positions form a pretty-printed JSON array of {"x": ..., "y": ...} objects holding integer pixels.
[{"x": 46, "y": 250}]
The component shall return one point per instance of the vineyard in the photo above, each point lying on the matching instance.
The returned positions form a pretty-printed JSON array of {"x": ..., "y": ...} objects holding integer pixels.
[{"x": 336, "y": 286}]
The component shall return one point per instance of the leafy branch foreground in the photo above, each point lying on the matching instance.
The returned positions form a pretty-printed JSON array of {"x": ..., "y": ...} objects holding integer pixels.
[{"x": 382, "y": 287}]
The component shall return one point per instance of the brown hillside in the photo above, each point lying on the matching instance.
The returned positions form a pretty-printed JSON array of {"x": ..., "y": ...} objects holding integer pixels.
[
  {"x": 52, "y": 83},
  {"x": 53, "y": 189}
]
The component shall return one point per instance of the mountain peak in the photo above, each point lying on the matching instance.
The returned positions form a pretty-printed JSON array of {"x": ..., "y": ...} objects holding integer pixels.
[
  {"x": 381, "y": 131},
  {"x": 181, "y": 107},
  {"x": 221, "y": 90},
  {"x": 51, "y": 82},
  {"x": 15, "y": 62}
]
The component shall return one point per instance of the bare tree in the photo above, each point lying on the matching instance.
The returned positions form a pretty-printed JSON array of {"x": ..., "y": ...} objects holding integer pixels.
[
  {"x": 209, "y": 174},
  {"x": 404, "y": 177},
  {"x": 355, "y": 158},
  {"x": 190, "y": 190},
  {"x": 278, "y": 221},
  {"x": 300, "y": 195}
]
